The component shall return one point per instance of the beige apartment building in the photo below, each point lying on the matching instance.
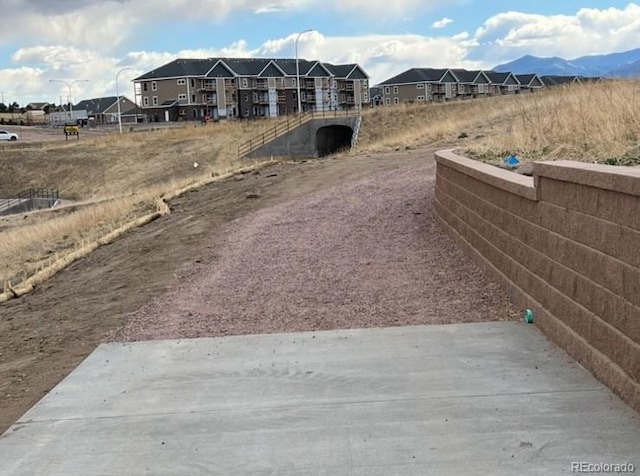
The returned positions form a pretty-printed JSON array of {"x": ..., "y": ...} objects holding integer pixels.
[{"x": 194, "y": 89}]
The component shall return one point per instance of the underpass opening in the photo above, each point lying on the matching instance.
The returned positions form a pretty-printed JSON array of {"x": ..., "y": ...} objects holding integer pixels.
[{"x": 331, "y": 139}]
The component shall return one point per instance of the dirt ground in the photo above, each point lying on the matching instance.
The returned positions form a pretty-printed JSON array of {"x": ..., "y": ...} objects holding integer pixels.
[{"x": 333, "y": 243}]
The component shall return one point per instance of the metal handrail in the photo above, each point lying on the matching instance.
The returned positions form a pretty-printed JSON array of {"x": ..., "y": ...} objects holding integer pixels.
[{"x": 30, "y": 194}]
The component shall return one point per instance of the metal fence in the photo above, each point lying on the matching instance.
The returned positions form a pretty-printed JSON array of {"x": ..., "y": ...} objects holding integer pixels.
[{"x": 51, "y": 196}]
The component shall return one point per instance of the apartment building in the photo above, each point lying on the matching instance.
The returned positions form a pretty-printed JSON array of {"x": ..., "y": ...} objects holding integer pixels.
[
  {"x": 418, "y": 85},
  {"x": 193, "y": 89}
]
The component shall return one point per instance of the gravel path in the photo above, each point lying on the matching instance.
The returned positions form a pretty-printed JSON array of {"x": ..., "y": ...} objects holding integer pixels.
[{"x": 363, "y": 254}]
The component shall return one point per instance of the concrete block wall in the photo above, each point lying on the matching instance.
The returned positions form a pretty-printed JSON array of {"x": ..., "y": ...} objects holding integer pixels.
[{"x": 566, "y": 244}]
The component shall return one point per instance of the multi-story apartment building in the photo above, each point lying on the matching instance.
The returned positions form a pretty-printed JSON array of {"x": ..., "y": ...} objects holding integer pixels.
[
  {"x": 192, "y": 89},
  {"x": 418, "y": 85}
]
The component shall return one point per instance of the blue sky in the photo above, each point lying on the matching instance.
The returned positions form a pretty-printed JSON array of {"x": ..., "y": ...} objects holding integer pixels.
[{"x": 94, "y": 39}]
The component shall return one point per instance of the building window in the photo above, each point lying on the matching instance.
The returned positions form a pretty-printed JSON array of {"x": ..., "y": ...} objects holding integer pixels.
[
  {"x": 365, "y": 97},
  {"x": 364, "y": 83},
  {"x": 155, "y": 100},
  {"x": 388, "y": 101},
  {"x": 420, "y": 98},
  {"x": 182, "y": 97},
  {"x": 245, "y": 83},
  {"x": 396, "y": 101},
  {"x": 182, "y": 82},
  {"x": 334, "y": 84},
  {"x": 395, "y": 90},
  {"x": 293, "y": 82},
  {"x": 145, "y": 101},
  {"x": 193, "y": 83},
  {"x": 145, "y": 86},
  {"x": 420, "y": 86},
  {"x": 154, "y": 86},
  {"x": 387, "y": 90},
  {"x": 193, "y": 98}
]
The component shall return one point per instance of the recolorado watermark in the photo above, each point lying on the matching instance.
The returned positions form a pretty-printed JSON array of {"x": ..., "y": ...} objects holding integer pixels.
[{"x": 602, "y": 468}]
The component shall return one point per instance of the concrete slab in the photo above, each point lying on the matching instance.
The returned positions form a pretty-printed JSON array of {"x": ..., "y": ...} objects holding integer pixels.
[{"x": 492, "y": 398}]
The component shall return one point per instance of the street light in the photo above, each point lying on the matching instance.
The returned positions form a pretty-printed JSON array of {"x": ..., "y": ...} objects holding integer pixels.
[
  {"x": 118, "y": 98},
  {"x": 69, "y": 85},
  {"x": 298, "y": 69}
]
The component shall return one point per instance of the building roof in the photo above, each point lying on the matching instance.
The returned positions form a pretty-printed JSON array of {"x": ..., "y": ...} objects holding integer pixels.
[
  {"x": 417, "y": 75},
  {"x": 96, "y": 105},
  {"x": 182, "y": 67},
  {"x": 554, "y": 80},
  {"x": 532, "y": 80},
  {"x": 501, "y": 78},
  {"x": 37, "y": 105},
  {"x": 466, "y": 76}
]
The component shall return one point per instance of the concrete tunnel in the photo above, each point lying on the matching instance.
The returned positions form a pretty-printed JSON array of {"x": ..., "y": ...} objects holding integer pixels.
[{"x": 331, "y": 139}]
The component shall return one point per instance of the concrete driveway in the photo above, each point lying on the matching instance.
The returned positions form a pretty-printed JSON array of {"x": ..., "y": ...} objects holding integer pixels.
[{"x": 489, "y": 398}]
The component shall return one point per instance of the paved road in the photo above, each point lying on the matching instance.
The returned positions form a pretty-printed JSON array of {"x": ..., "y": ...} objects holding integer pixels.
[{"x": 485, "y": 398}]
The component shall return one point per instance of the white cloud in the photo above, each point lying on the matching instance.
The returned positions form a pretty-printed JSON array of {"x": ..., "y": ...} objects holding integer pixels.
[
  {"x": 442, "y": 23},
  {"x": 510, "y": 35},
  {"x": 500, "y": 38},
  {"x": 106, "y": 24}
]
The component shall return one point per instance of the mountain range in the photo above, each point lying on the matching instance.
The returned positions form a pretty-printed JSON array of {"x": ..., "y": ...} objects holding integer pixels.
[{"x": 621, "y": 65}]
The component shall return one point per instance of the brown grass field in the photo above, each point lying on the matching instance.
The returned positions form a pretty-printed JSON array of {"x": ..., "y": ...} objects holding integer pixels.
[{"x": 113, "y": 179}]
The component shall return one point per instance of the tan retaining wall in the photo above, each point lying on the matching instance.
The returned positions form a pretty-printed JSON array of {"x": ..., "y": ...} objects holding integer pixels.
[{"x": 566, "y": 244}]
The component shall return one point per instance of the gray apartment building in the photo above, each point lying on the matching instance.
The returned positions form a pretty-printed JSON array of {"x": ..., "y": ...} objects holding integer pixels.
[
  {"x": 193, "y": 89},
  {"x": 418, "y": 85}
]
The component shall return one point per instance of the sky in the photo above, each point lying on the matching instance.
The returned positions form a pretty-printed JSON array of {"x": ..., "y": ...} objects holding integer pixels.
[{"x": 94, "y": 40}]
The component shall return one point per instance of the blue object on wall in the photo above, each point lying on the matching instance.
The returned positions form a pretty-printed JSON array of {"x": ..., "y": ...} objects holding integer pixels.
[{"x": 512, "y": 161}]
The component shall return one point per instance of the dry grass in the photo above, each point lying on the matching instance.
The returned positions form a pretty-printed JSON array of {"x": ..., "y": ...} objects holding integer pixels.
[
  {"x": 597, "y": 122},
  {"x": 27, "y": 249},
  {"x": 115, "y": 180},
  {"x": 115, "y": 165},
  {"x": 409, "y": 125}
]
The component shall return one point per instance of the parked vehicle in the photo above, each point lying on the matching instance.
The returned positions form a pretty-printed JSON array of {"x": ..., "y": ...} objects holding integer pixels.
[{"x": 6, "y": 135}]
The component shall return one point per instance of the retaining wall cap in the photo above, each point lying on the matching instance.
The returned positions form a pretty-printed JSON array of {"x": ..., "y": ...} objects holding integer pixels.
[
  {"x": 609, "y": 177},
  {"x": 512, "y": 182}
]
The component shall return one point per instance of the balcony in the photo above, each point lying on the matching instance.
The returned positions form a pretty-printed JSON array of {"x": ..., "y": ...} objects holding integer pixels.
[
  {"x": 208, "y": 86},
  {"x": 261, "y": 84},
  {"x": 345, "y": 87}
]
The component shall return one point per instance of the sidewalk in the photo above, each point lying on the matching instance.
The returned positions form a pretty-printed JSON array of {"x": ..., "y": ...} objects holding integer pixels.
[{"x": 488, "y": 398}]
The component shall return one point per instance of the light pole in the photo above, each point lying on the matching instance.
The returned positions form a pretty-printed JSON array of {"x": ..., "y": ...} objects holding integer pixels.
[
  {"x": 118, "y": 99},
  {"x": 298, "y": 70},
  {"x": 69, "y": 85}
]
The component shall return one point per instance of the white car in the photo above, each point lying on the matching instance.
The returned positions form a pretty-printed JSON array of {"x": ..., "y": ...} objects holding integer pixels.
[{"x": 6, "y": 135}]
